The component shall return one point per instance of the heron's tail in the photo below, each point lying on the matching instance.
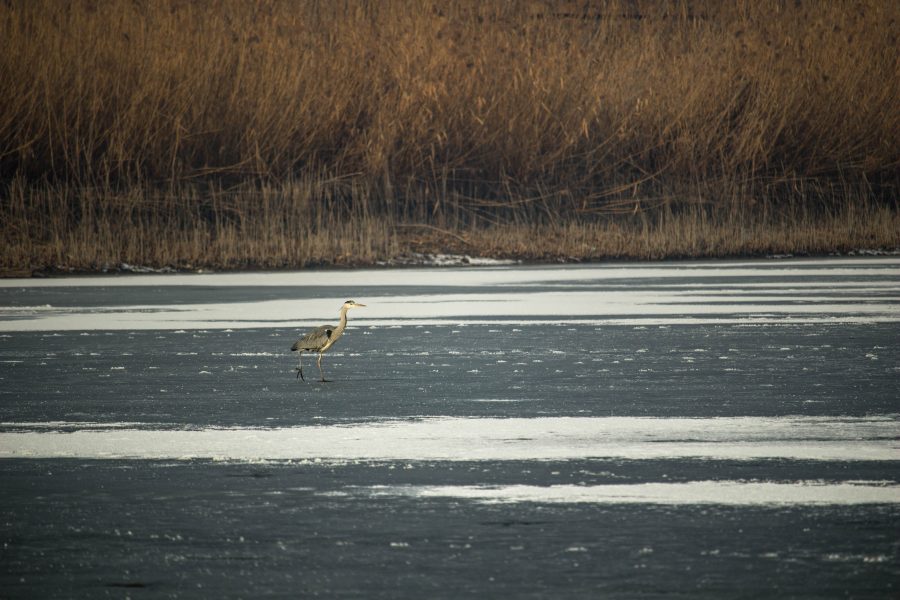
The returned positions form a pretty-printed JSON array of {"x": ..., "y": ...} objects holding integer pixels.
[{"x": 296, "y": 346}]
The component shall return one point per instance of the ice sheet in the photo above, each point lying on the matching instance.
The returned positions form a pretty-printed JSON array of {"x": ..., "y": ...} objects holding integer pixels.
[
  {"x": 460, "y": 439},
  {"x": 738, "y": 493},
  {"x": 570, "y": 307},
  {"x": 812, "y": 291}
]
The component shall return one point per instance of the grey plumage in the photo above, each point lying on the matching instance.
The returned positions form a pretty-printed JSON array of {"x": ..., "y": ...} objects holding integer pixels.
[
  {"x": 314, "y": 340},
  {"x": 322, "y": 338}
]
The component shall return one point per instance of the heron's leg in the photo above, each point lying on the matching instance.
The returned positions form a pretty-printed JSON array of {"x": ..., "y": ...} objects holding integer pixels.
[
  {"x": 300, "y": 368},
  {"x": 321, "y": 372}
]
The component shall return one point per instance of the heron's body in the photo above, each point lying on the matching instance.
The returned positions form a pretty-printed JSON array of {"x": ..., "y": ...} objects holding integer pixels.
[{"x": 322, "y": 338}]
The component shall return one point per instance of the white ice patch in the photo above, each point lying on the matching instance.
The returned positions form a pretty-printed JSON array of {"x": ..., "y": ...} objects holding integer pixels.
[
  {"x": 463, "y": 439},
  {"x": 680, "y": 293},
  {"x": 693, "y": 492},
  {"x": 537, "y": 308},
  {"x": 802, "y": 291}
]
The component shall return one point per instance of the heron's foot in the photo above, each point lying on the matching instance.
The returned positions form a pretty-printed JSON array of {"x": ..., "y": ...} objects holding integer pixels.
[
  {"x": 300, "y": 374},
  {"x": 323, "y": 380}
]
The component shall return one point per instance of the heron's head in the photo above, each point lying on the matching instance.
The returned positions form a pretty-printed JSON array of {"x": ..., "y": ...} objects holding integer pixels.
[{"x": 352, "y": 304}]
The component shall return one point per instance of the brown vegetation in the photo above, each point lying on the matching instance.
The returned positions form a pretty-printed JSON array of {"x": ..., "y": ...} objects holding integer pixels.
[{"x": 269, "y": 133}]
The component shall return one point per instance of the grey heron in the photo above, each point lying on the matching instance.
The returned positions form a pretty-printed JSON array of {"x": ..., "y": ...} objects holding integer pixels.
[{"x": 322, "y": 338}]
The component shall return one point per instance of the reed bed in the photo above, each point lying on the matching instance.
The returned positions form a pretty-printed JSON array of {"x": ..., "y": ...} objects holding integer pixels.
[
  {"x": 282, "y": 134},
  {"x": 64, "y": 229}
]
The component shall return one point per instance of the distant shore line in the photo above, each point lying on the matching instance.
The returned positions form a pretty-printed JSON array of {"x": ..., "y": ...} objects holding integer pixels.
[
  {"x": 576, "y": 243},
  {"x": 67, "y": 228},
  {"x": 417, "y": 260}
]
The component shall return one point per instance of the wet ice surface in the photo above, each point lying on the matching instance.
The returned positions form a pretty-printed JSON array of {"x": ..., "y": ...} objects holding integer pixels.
[
  {"x": 245, "y": 377},
  {"x": 704, "y": 429}
]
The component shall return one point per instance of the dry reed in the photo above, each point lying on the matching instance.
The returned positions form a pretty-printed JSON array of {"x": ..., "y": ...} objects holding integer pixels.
[{"x": 275, "y": 133}]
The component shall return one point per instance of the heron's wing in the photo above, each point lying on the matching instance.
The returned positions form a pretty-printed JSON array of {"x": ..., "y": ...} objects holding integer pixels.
[{"x": 315, "y": 339}]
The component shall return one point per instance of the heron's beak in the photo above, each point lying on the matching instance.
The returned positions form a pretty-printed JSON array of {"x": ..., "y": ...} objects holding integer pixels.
[{"x": 357, "y": 305}]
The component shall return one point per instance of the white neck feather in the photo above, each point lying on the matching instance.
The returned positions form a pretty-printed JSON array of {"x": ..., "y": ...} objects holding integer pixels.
[{"x": 343, "y": 323}]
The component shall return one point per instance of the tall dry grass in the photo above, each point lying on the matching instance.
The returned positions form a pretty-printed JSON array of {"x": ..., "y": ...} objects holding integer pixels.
[
  {"x": 454, "y": 114},
  {"x": 287, "y": 225}
]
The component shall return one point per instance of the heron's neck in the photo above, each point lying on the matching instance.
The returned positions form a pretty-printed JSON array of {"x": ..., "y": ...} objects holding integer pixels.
[{"x": 343, "y": 322}]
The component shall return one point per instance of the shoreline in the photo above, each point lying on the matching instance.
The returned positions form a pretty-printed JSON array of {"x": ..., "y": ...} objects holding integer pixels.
[
  {"x": 426, "y": 260},
  {"x": 109, "y": 237}
]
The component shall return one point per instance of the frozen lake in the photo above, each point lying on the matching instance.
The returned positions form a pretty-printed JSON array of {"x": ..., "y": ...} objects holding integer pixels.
[{"x": 706, "y": 429}]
